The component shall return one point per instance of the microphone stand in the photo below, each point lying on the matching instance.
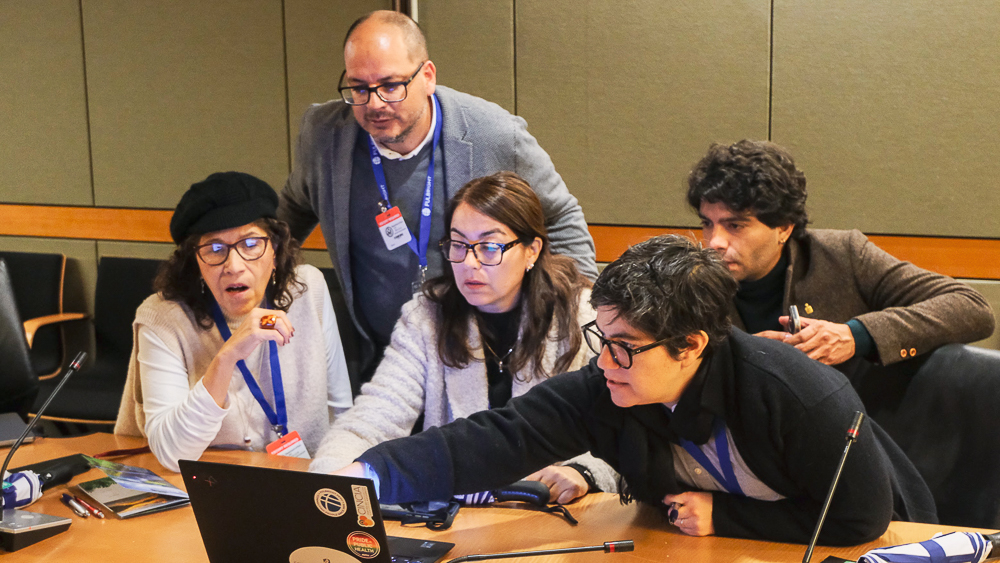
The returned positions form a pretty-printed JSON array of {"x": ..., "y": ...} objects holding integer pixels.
[
  {"x": 608, "y": 547},
  {"x": 20, "y": 528},
  {"x": 852, "y": 436}
]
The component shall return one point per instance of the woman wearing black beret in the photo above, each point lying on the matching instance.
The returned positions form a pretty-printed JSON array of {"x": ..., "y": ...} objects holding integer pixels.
[{"x": 239, "y": 346}]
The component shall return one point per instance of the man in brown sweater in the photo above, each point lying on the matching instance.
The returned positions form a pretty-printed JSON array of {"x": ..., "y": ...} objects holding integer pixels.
[{"x": 856, "y": 301}]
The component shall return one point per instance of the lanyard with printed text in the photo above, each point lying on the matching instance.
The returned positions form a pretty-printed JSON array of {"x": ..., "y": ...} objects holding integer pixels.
[
  {"x": 727, "y": 478},
  {"x": 425, "y": 208},
  {"x": 279, "y": 419}
]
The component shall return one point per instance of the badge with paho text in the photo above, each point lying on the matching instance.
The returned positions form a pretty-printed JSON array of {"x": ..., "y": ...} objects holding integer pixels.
[{"x": 393, "y": 229}]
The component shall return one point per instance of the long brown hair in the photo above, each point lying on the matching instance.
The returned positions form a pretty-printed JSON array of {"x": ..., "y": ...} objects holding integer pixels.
[
  {"x": 179, "y": 278},
  {"x": 550, "y": 291}
]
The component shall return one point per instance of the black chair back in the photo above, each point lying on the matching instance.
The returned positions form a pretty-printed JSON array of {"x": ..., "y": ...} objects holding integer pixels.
[
  {"x": 18, "y": 382},
  {"x": 94, "y": 394},
  {"x": 37, "y": 280},
  {"x": 945, "y": 415}
]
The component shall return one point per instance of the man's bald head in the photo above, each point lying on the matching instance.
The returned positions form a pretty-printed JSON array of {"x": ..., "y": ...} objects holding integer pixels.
[{"x": 375, "y": 24}]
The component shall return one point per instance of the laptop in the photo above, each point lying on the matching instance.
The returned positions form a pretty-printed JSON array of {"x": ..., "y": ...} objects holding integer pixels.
[{"x": 249, "y": 513}]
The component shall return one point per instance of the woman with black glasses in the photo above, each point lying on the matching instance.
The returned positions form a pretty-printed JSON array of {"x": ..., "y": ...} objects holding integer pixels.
[
  {"x": 239, "y": 347},
  {"x": 503, "y": 318}
]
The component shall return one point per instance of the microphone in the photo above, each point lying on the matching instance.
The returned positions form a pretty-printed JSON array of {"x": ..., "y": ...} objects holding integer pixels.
[
  {"x": 20, "y": 528},
  {"x": 608, "y": 547},
  {"x": 852, "y": 435}
]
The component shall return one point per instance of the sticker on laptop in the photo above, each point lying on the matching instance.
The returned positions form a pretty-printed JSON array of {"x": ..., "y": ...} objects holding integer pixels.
[
  {"x": 363, "y": 545},
  {"x": 330, "y": 502},
  {"x": 366, "y": 518},
  {"x": 319, "y": 554}
]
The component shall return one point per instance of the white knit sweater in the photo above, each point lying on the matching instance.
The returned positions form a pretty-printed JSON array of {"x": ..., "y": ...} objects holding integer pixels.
[{"x": 412, "y": 379}]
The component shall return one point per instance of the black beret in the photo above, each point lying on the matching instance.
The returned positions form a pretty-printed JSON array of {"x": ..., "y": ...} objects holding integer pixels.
[{"x": 222, "y": 201}]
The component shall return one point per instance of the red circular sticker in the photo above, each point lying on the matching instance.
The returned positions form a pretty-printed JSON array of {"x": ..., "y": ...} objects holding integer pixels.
[{"x": 363, "y": 545}]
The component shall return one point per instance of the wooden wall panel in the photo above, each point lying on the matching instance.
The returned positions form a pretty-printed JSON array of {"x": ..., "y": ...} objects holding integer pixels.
[
  {"x": 181, "y": 89},
  {"x": 472, "y": 44},
  {"x": 44, "y": 157},
  {"x": 314, "y": 34},
  {"x": 626, "y": 96},
  {"x": 892, "y": 109}
]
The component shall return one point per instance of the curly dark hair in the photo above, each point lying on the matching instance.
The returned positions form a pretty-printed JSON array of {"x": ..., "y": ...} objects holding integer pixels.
[
  {"x": 550, "y": 291},
  {"x": 179, "y": 278},
  {"x": 759, "y": 176},
  {"x": 669, "y": 288}
]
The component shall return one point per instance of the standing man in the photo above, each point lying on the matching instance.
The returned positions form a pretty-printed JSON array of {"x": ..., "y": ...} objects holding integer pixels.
[
  {"x": 856, "y": 301},
  {"x": 377, "y": 168}
]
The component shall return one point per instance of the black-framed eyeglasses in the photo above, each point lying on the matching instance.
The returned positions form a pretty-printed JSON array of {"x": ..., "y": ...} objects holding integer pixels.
[
  {"x": 488, "y": 253},
  {"x": 388, "y": 92},
  {"x": 621, "y": 352},
  {"x": 216, "y": 253}
]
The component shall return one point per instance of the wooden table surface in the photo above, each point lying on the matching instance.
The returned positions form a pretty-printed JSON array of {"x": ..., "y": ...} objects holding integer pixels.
[{"x": 173, "y": 535}]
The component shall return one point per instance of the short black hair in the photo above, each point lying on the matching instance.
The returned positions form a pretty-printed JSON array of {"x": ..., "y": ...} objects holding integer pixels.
[
  {"x": 758, "y": 176},
  {"x": 669, "y": 288}
]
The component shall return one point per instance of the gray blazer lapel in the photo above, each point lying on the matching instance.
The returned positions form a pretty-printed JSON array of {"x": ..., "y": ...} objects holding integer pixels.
[{"x": 456, "y": 150}]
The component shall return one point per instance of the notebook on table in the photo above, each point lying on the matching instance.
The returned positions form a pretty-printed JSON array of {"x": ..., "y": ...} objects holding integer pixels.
[{"x": 249, "y": 513}]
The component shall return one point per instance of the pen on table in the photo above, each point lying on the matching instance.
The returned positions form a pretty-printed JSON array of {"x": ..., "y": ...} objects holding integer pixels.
[
  {"x": 91, "y": 509},
  {"x": 69, "y": 501}
]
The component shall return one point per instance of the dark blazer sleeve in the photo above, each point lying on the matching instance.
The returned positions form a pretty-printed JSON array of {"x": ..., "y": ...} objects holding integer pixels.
[
  {"x": 912, "y": 308},
  {"x": 809, "y": 445},
  {"x": 490, "y": 448}
]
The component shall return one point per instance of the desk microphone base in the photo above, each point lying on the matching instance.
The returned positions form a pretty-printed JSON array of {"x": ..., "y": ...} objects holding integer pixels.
[{"x": 20, "y": 528}]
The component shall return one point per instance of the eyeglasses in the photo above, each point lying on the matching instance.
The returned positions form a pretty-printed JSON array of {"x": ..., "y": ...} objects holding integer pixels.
[
  {"x": 216, "y": 253},
  {"x": 488, "y": 254},
  {"x": 388, "y": 92},
  {"x": 621, "y": 352}
]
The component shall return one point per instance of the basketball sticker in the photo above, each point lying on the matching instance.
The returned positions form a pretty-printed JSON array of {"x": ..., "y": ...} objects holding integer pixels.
[{"x": 330, "y": 502}]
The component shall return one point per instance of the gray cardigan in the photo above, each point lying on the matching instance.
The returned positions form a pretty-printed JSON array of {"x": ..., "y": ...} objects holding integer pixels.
[
  {"x": 479, "y": 138},
  {"x": 412, "y": 380}
]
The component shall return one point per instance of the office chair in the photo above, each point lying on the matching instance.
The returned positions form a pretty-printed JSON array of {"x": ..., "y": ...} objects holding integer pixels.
[
  {"x": 944, "y": 412},
  {"x": 18, "y": 382},
  {"x": 93, "y": 395},
  {"x": 37, "y": 281}
]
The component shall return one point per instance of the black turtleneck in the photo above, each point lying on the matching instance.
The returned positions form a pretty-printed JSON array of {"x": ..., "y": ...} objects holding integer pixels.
[
  {"x": 759, "y": 302},
  {"x": 499, "y": 333}
]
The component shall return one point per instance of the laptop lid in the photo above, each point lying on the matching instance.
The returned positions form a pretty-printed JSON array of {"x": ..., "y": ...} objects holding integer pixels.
[{"x": 249, "y": 513}]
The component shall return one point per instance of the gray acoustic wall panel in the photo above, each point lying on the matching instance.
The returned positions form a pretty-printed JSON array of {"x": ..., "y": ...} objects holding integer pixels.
[
  {"x": 626, "y": 96},
  {"x": 472, "y": 44},
  {"x": 44, "y": 156},
  {"x": 892, "y": 109},
  {"x": 181, "y": 89}
]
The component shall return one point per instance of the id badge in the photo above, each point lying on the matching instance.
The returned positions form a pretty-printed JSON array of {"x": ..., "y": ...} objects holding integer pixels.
[
  {"x": 289, "y": 445},
  {"x": 392, "y": 228}
]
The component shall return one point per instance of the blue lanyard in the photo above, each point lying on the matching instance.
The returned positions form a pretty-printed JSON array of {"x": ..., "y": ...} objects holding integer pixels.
[
  {"x": 279, "y": 420},
  {"x": 425, "y": 208},
  {"x": 727, "y": 478}
]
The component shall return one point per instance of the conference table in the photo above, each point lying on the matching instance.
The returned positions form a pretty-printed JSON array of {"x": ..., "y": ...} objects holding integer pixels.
[{"x": 173, "y": 535}]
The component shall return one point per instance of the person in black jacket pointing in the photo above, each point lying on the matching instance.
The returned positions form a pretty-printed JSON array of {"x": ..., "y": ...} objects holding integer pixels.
[{"x": 728, "y": 433}]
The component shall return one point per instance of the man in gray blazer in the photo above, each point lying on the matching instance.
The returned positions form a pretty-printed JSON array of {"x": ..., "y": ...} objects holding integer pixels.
[
  {"x": 856, "y": 300},
  {"x": 377, "y": 168}
]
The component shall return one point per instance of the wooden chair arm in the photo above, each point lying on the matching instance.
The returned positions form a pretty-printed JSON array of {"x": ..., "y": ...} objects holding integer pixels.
[{"x": 32, "y": 325}]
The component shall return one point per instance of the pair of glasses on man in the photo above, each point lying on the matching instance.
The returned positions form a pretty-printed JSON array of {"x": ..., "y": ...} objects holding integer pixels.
[
  {"x": 388, "y": 92},
  {"x": 621, "y": 353},
  {"x": 216, "y": 253},
  {"x": 488, "y": 253}
]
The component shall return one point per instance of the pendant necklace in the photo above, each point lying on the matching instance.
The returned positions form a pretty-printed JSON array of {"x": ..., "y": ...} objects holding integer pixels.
[{"x": 501, "y": 361}]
